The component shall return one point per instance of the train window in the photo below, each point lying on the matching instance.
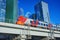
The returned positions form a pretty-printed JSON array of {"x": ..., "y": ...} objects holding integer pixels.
[
  {"x": 46, "y": 24},
  {"x": 41, "y": 23},
  {"x": 54, "y": 26},
  {"x": 38, "y": 23},
  {"x": 30, "y": 21}
]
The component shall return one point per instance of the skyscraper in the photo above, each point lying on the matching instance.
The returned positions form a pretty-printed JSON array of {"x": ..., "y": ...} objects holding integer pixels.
[
  {"x": 11, "y": 11},
  {"x": 2, "y": 10},
  {"x": 33, "y": 16},
  {"x": 42, "y": 12},
  {"x": 20, "y": 12}
]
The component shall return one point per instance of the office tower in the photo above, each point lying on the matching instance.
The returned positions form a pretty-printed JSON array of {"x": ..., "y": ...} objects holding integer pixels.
[
  {"x": 33, "y": 16},
  {"x": 20, "y": 12},
  {"x": 42, "y": 12},
  {"x": 2, "y": 10},
  {"x": 11, "y": 11}
]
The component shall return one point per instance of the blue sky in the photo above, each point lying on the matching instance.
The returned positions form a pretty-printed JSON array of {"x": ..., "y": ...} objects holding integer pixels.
[{"x": 54, "y": 8}]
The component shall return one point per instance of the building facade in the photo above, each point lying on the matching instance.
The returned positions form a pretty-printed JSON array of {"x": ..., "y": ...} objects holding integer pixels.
[
  {"x": 45, "y": 12},
  {"x": 2, "y": 10},
  {"x": 11, "y": 11},
  {"x": 42, "y": 12}
]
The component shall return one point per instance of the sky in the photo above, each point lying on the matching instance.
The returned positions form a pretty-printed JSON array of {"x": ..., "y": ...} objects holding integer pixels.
[
  {"x": 54, "y": 8},
  {"x": 27, "y": 7},
  {"x": 54, "y": 11}
]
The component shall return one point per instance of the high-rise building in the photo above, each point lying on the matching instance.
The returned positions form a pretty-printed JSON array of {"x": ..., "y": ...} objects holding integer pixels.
[
  {"x": 2, "y": 10},
  {"x": 33, "y": 16},
  {"x": 42, "y": 12},
  {"x": 20, "y": 12},
  {"x": 11, "y": 11}
]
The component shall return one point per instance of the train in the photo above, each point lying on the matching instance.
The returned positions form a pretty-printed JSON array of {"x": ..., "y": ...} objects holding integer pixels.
[{"x": 35, "y": 23}]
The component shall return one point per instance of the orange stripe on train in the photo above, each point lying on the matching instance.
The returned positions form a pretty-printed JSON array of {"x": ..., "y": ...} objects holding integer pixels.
[{"x": 21, "y": 20}]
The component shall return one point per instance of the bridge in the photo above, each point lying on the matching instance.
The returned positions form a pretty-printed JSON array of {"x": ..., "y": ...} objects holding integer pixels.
[{"x": 8, "y": 28}]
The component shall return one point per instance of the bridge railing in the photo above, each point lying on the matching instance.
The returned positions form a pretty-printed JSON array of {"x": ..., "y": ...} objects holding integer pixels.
[{"x": 8, "y": 20}]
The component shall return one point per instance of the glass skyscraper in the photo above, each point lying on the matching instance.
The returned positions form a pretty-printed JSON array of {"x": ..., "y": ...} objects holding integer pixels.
[
  {"x": 8, "y": 11},
  {"x": 45, "y": 12},
  {"x": 38, "y": 11},
  {"x": 42, "y": 12},
  {"x": 11, "y": 11},
  {"x": 2, "y": 10}
]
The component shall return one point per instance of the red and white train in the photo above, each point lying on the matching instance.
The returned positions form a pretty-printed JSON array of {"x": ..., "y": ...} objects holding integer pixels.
[{"x": 35, "y": 23}]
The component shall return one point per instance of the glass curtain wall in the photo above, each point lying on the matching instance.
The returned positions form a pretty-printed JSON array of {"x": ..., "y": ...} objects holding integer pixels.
[{"x": 2, "y": 10}]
